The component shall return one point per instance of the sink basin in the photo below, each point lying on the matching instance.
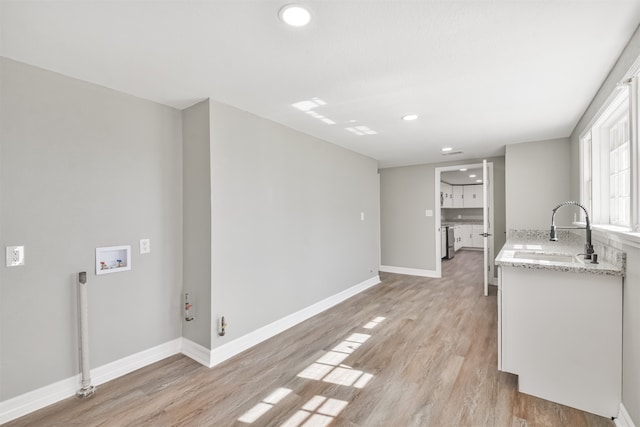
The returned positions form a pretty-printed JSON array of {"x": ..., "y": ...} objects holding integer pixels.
[{"x": 537, "y": 256}]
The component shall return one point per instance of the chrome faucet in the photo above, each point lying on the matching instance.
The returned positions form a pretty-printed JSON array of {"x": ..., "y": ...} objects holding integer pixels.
[{"x": 588, "y": 247}]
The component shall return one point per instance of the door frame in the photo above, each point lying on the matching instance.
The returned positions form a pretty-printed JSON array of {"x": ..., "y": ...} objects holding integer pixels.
[{"x": 438, "y": 213}]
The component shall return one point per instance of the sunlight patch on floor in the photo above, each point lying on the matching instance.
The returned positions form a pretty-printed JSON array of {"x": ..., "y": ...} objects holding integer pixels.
[
  {"x": 329, "y": 367},
  {"x": 320, "y": 411},
  {"x": 375, "y": 322},
  {"x": 263, "y": 407}
]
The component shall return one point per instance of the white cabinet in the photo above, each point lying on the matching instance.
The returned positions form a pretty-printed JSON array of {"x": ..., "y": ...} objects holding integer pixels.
[
  {"x": 446, "y": 195},
  {"x": 457, "y": 193},
  {"x": 561, "y": 333},
  {"x": 461, "y": 196},
  {"x": 472, "y": 196},
  {"x": 467, "y": 230},
  {"x": 471, "y": 236},
  {"x": 477, "y": 241},
  {"x": 457, "y": 234}
]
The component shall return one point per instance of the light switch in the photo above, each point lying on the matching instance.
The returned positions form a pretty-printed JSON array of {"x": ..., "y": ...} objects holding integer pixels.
[
  {"x": 145, "y": 246},
  {"x": 361, "y": 216},
  {"x": 15, "y": 256},
  {"x": 428, "y": 212}
]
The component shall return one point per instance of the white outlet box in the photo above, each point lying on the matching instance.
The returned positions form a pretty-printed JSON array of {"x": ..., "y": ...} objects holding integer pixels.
[
  {"x": 15, "y": 256},
  {"x": 145, "y": 246}
]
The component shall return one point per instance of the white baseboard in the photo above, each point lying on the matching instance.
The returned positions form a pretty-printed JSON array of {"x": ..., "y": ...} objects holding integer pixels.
[
  {"x": 624, "y": 419},
  {"x": 196, "y": 352},
  {"x": 136, "y": 361},
  {"x": 247, "y": 341},
  {"x": 52, "y": 393},
  {"x": 409, "y": 271},
  {"x": 37, "y": 399}
]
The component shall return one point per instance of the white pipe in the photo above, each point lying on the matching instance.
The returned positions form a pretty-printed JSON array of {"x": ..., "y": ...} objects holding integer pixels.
[{"x": 86, "y": 389}]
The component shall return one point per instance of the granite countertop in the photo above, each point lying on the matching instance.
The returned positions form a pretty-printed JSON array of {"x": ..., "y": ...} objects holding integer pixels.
[
  {"x": 461, "y": 222},
  {"x": 536, "y": 242}
]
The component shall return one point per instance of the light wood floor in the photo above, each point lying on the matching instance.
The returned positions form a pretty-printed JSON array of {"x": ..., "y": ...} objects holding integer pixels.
[{"x": 409, "y": 352}]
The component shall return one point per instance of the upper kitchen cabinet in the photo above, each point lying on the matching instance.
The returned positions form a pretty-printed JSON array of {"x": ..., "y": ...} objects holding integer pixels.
[
  {"x": 446, "y": 195},
  {"x": 458, "y": 201},
  {"x": 472, "y": 196},
  {"x": 460, "y": 196}
]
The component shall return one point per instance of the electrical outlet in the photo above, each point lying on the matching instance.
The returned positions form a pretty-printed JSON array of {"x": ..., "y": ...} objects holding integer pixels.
[
  {"x": 145, "y": 246},
  {"x": 15, "y": 256}
]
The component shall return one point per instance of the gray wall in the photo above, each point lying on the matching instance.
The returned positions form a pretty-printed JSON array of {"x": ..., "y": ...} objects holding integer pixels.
[
  {"x": 407, "y": 235},
  {"x": 631, "y": 309},
  {"x": 81, "y": 167},
  {"x": 286, "y": 228},
  {"x": 197, "y": 222},
  {"x": 537, "y": 177}
]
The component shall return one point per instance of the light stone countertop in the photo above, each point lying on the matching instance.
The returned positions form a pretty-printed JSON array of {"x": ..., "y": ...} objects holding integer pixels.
[
  {"x": 610, "y": 261},
  {"x": 461, "y": 222}
]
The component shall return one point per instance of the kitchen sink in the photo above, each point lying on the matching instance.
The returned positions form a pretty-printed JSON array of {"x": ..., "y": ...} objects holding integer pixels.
[{"x": 537, "y": 256}]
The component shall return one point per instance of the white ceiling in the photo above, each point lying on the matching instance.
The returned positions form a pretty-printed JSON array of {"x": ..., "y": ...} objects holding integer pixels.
[
  {"x": 458, "y": 177},
  {"x": 480, "y": 73}
]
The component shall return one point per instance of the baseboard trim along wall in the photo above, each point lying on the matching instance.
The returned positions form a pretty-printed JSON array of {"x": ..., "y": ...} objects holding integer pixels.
[
  {"x": 37, "y": 399},
  {"x": 52, "y": 393},
  {"x": 197, "y": 352},
  {"x": 624, "y": 419},
  {"x": 409, "y": 271},
  {"x": 226, "y": 351}
]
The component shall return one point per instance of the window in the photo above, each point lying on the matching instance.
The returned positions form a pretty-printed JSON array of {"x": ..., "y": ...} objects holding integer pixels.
[
  {"x": 619, "y": 172},
  {"x": 586, "y": 185},
  {"x": 606, "y": 164}
]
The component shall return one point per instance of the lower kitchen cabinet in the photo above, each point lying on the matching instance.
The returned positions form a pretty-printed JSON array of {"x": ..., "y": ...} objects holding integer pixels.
[
  {"x": 467, "y": 231},
  {"x": 457, "y": 234},
  {"x": 477, "y": 240},
  {"x": 470, "y": 236},
  {"x": 561, "y": 333}
]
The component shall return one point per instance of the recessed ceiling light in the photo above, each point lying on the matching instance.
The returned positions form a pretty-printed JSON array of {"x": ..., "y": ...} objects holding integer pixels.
[
  {"x": 478, "y": 180},
  {"x": 409, "y": 117},
  {"x": 295, "y": 15},
  {"x": 472, "y": 176},
  {"x": 463, "y": 170},
  {"x": 445, "y": 149}
]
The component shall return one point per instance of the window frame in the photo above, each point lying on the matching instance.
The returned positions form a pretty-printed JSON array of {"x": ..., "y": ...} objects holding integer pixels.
[{"x": 586, "y": 174}]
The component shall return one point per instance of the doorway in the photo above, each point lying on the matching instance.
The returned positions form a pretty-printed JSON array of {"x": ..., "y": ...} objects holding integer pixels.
[{"x": 464, "y": 195}]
